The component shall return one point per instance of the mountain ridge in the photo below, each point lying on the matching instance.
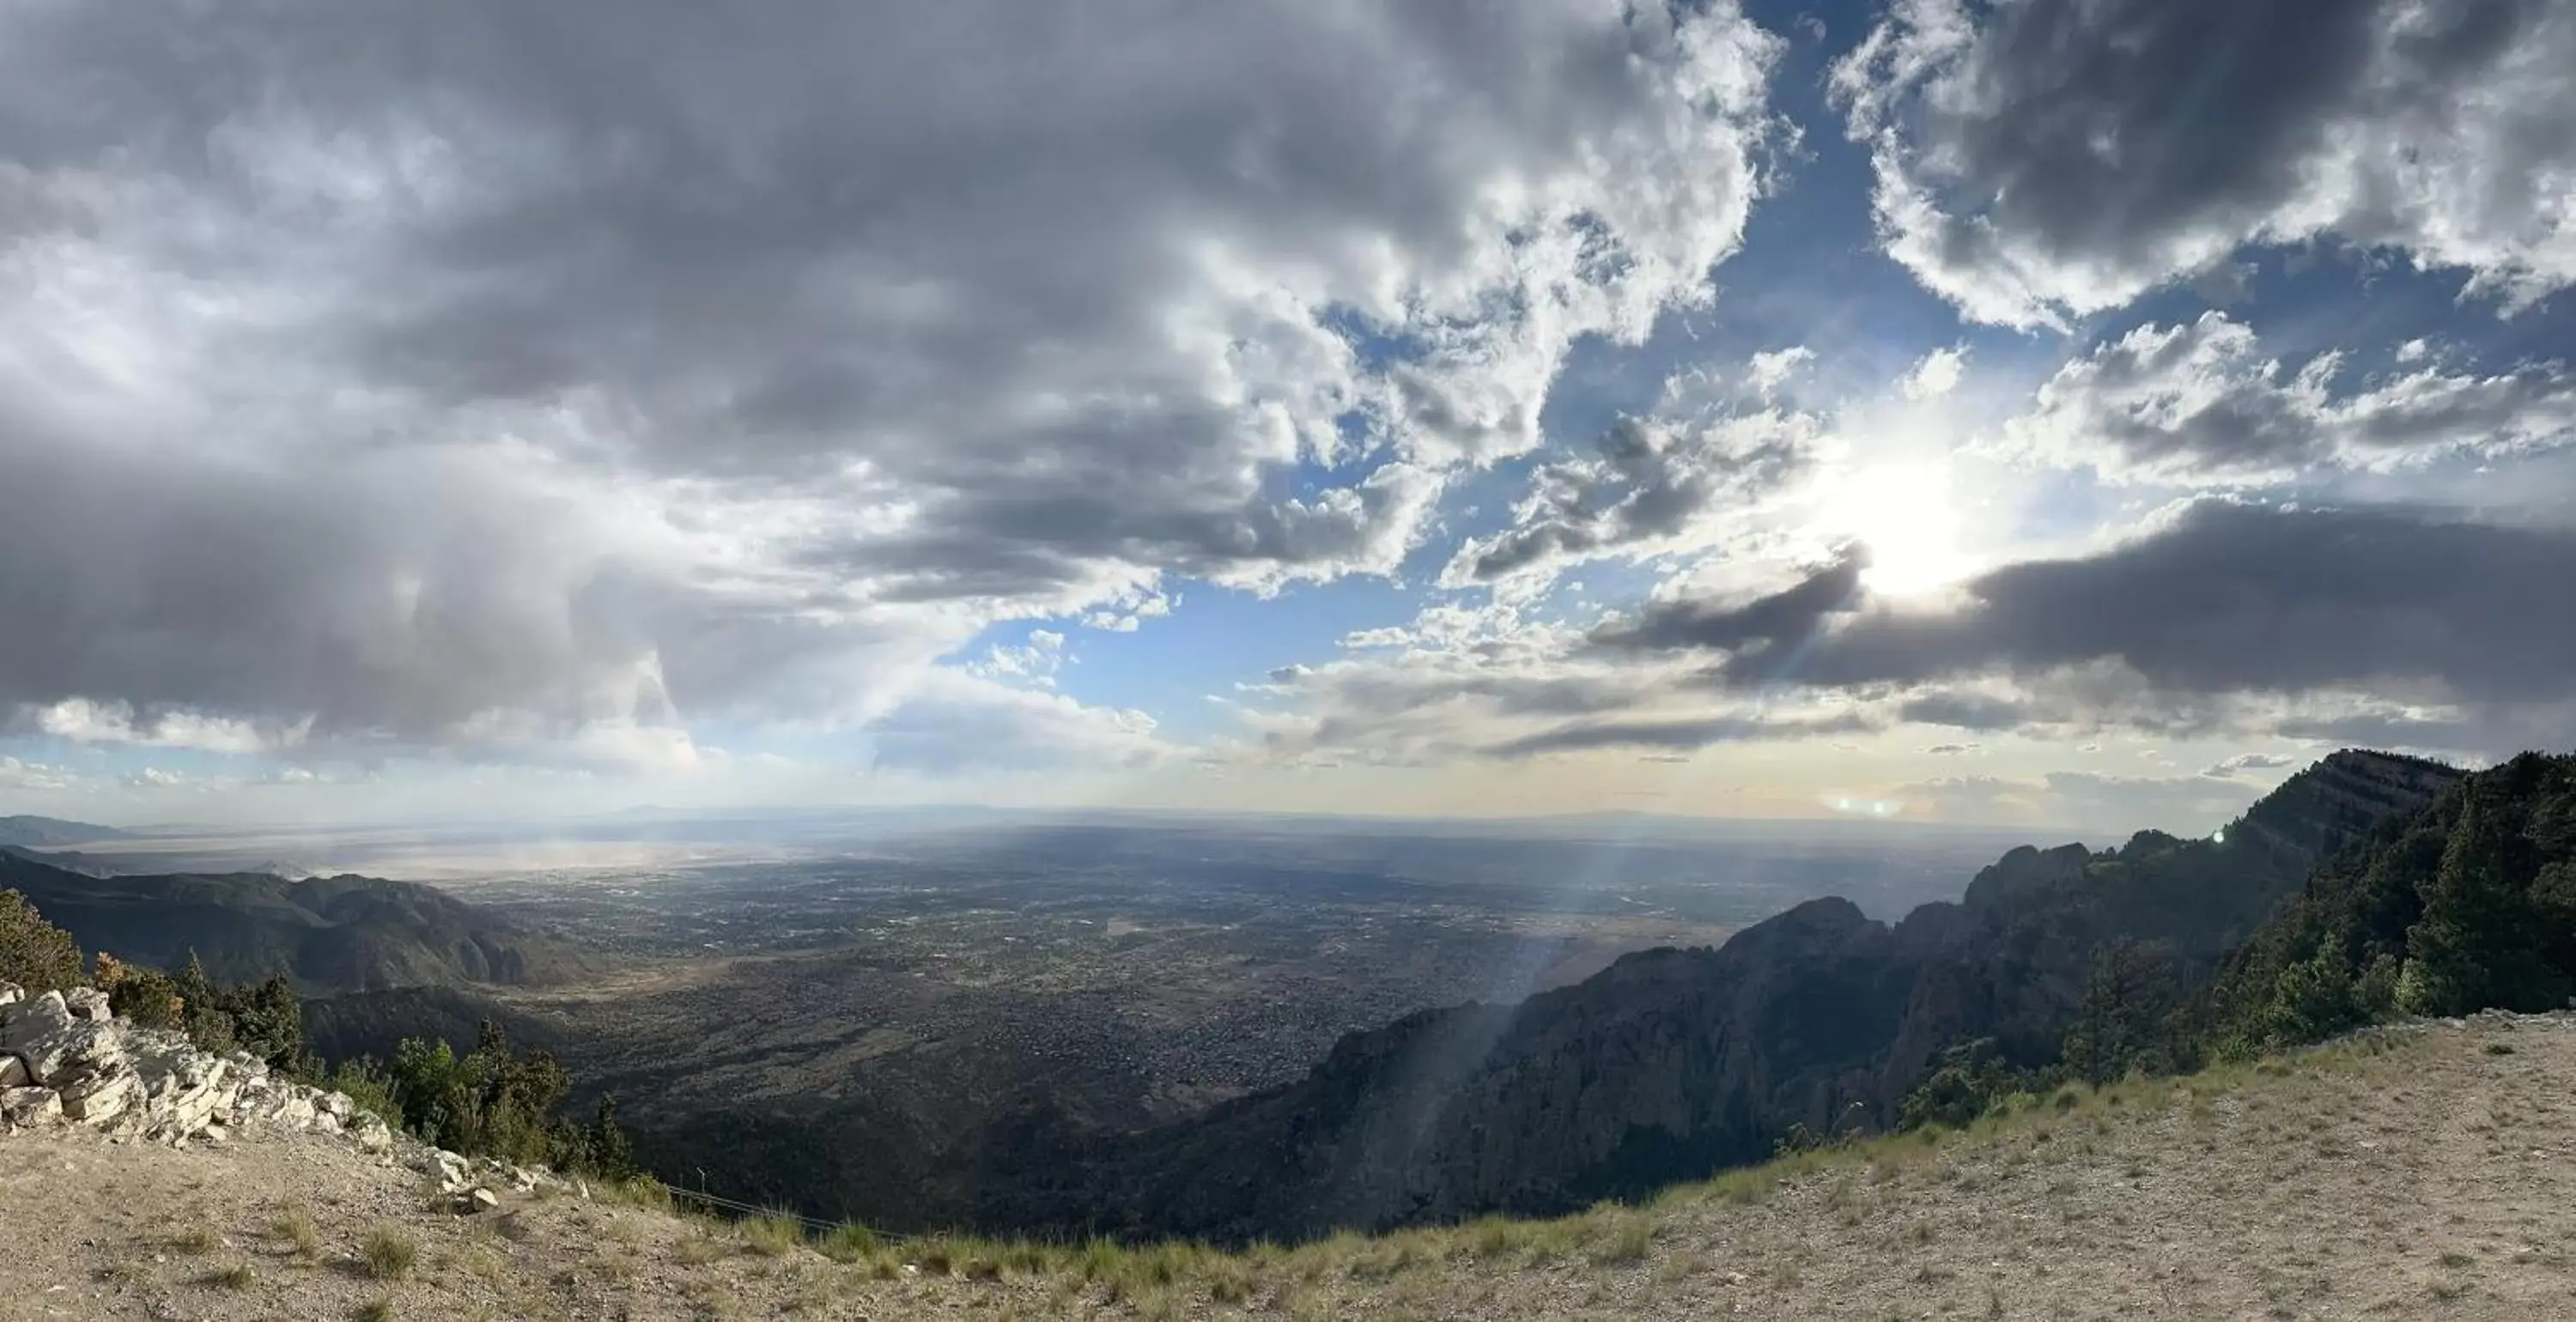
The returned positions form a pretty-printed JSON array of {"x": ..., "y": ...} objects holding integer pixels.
[
  {"x": 327, "y": 934},
  {"x": 33, "y": 832},
  {"x": 1675, "y": 1062}
]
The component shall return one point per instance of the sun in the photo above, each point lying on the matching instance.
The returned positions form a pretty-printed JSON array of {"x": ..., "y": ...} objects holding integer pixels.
[{"x": 1908, "y": 517}]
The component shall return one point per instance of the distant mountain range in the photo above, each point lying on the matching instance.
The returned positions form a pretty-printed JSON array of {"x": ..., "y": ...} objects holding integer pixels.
[
  {"x": 1673, "y": 1063},
  {"x": 53, "y": 832},
  {"x": 328, "y": 934}
]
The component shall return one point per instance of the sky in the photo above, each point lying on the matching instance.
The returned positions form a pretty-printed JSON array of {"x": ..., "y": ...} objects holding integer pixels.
[{"x": 1998, "y": 412}]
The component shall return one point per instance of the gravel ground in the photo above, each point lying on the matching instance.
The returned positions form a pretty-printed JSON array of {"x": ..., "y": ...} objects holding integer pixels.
[{"x": 2426, "y": 1173}]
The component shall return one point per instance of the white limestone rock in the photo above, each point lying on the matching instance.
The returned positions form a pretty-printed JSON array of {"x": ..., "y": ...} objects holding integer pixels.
[
  {"x": 99, "y": 1099},
  {"x": 88, "y": 1003},
  {"x": 26, "y": 1107},
  {"x": 52, "y": 1041}
]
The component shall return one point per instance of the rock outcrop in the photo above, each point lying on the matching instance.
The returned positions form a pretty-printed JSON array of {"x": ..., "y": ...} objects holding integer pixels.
[{"x": 66, "y": 1060}]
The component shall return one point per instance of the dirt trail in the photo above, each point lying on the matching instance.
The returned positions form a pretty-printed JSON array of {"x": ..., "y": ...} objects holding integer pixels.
[{"x": 2435, "y": 1178}]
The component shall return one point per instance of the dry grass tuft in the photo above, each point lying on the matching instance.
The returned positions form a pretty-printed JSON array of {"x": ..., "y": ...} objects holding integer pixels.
[{"x": 388, "y": 1254}]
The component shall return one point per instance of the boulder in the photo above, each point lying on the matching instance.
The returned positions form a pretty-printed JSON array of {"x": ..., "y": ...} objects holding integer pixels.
[
  {"x": 88, "y": 1003},
  {"x": 11, "y": 993},
  {"x": 51, "y": 1040},
  {"x": 454, "y": 1173},
  {"x": 373, "y": 1135},
  {"x": 13, "y": 1073},
  {"x": 22, "y": 1107},
  {"x": 99, "y": 1099}
]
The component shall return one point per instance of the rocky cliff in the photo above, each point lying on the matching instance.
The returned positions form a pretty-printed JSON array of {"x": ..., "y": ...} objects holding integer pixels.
[{"x": 1672, "y": 1063}]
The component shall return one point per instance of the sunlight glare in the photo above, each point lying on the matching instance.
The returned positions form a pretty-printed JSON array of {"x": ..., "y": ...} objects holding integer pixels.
[{"x": 1908, "y": 517}]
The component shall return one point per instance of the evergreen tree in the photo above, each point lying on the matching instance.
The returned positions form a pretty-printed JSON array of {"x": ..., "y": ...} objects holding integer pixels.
[
  {"x": 2119, "y": 1025},
  {"x": 2479, "y": 942},
  {"x": 201, "y": 1011},
  {"x": 606, "y": 1149},
  {"x": 35, "y": 954}
]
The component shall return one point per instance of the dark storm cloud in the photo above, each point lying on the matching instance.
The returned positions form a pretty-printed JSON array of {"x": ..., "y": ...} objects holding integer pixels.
[
  {"x": 1760, "y": 626},
  {"x": 2036, "y": 157},
  {"x": 456, "y": 373},
  {"x": 2221, "y": 598}
]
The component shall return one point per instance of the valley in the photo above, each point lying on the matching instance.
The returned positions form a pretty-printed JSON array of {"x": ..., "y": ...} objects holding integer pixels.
[{"x": 874, "y": 1011}]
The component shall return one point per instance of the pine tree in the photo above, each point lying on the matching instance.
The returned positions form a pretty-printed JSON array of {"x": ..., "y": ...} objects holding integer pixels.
[
  {"x": 2118, "y": 1025},
  {"x": 35, "y": 954},
  {"x": 2479, "y": 941}
]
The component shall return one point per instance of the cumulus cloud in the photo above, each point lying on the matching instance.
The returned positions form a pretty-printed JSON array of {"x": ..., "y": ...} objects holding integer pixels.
[
  {"x": 2035, "y": 161},
  {"x": 84, "y": 721},
  {"x": 20, "y": 776},
  {"x": 2244, "y": 762},
  {"x": 1646, "y": 489},
  {"x": 958, "y": 724},
  {"x": 2203, "y": 402},
  {"x": 2217, "y": 600},
  {"x": 1936, "y": 374},
  {"x": 482, "y": 375}
]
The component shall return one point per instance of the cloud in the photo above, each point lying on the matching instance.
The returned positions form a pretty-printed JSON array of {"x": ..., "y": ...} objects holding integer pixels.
[
  {"x": 2215, "y": 599},
  {"x": 1697, "y": 732},
  {"x": 423, "y": 371},
  {"x": 1647, "y": 489},
  {"x": 1762, "y": 626},
  {"x": 961, "y": 725},
  {"x": 1771, "y": 370},
  {"x": 1936, "y": 374},
  {"x": 2082, "y": 800},
  {"x": 2202, "y": 402},
  {"x": 38, "y": 777},
  {"x": 1949, "y": 750},
  {"x": 2038, "y": 161},
  {"x": 1034, "y": 663},
  {"x": 83, "y": 721},
  {"x": 2244, "y": 762}
]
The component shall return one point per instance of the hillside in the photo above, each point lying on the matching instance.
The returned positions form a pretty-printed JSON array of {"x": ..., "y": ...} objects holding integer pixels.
[
  {"x": 1674, "y": 1063},
  {"x": 329, "y": 934},
  {"x": 2423, "y": 1171},
  {"x": 2467, "y": 904}
]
